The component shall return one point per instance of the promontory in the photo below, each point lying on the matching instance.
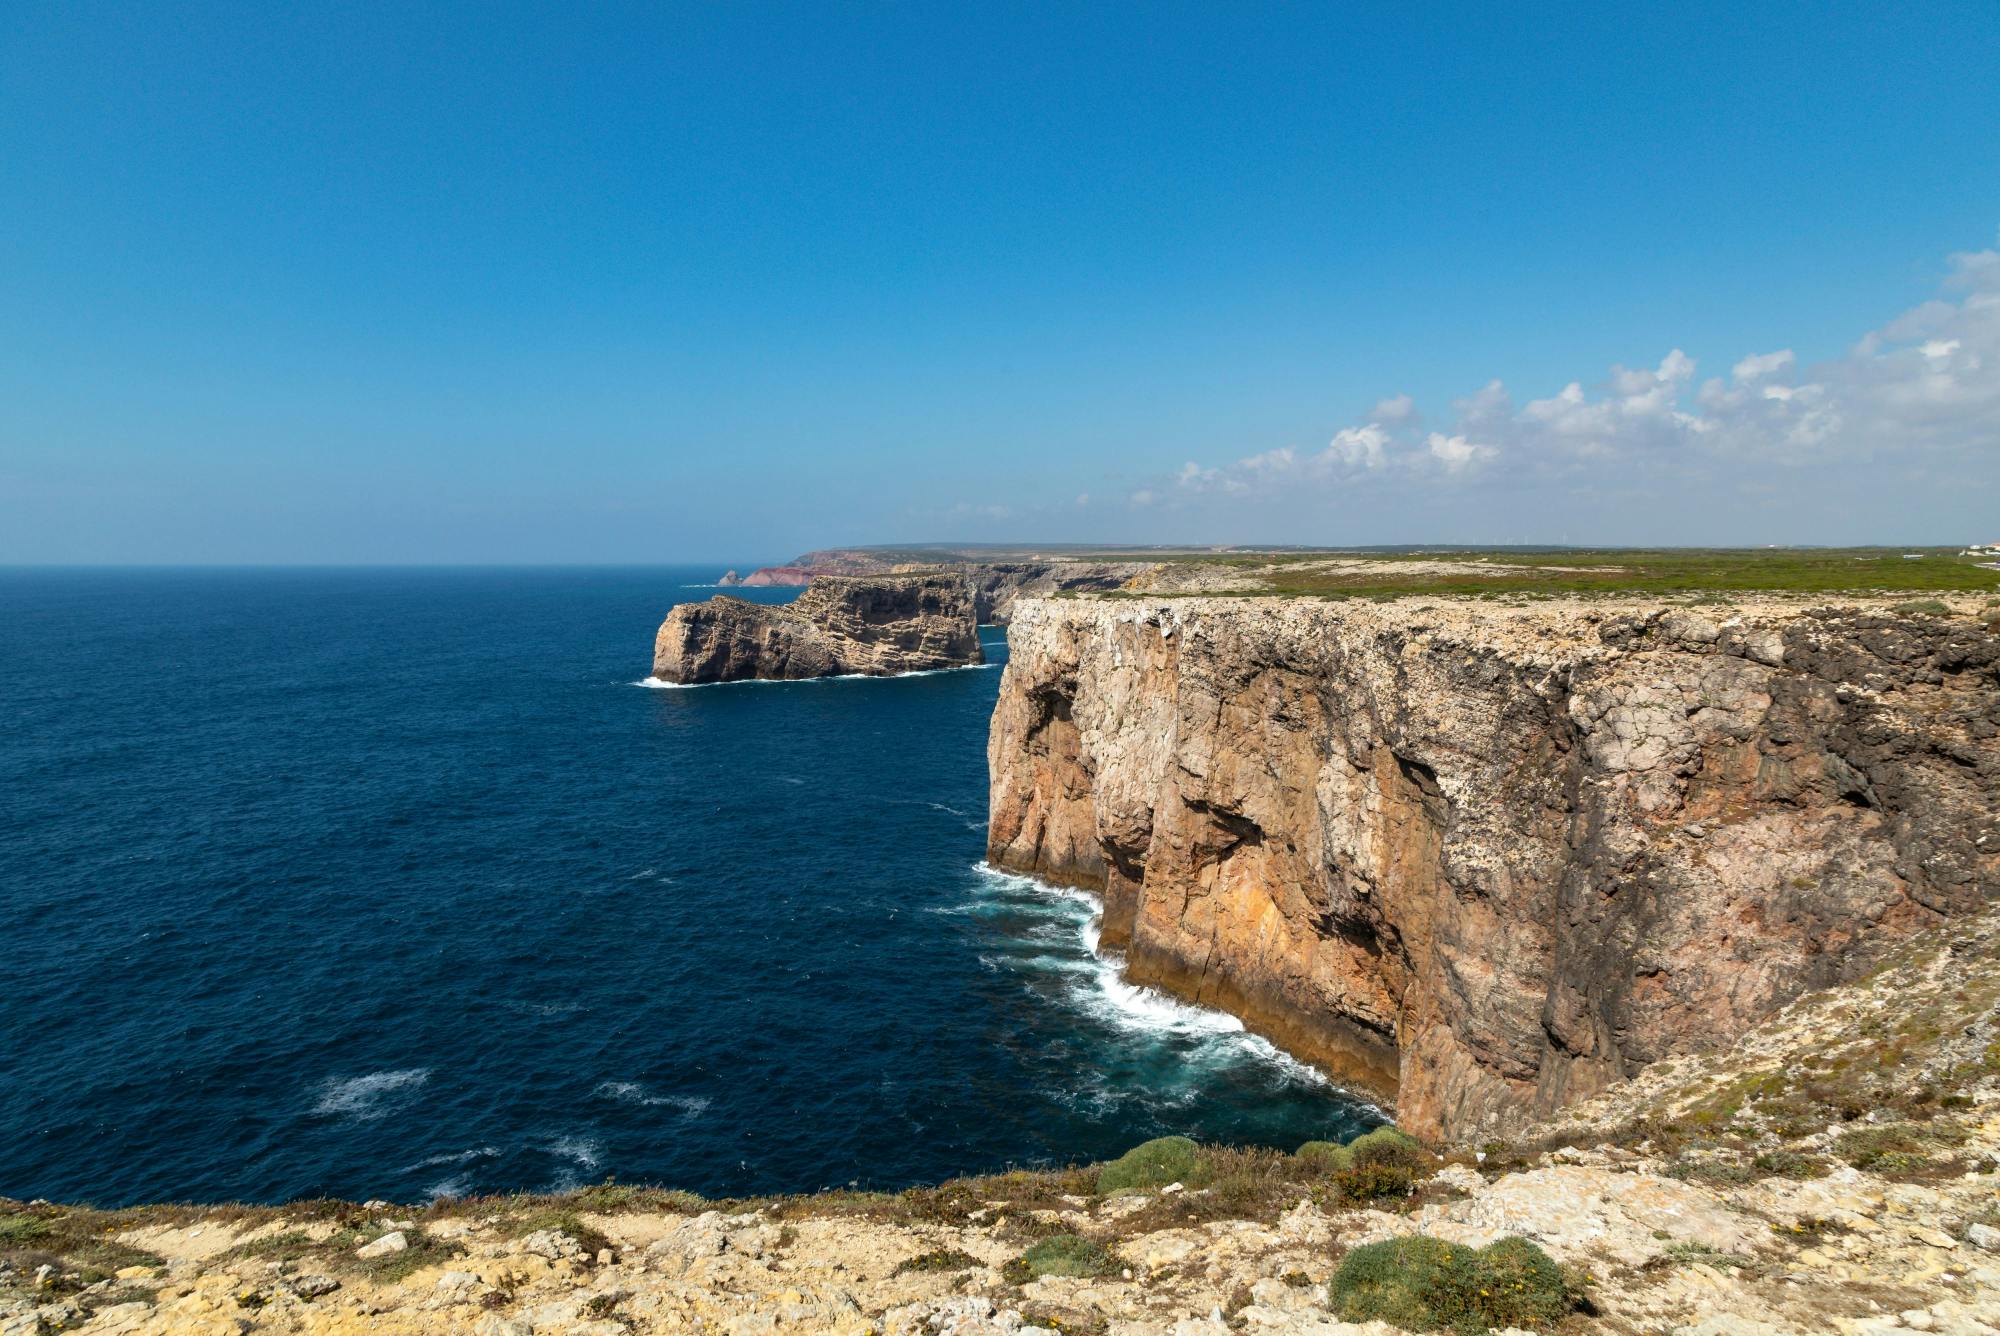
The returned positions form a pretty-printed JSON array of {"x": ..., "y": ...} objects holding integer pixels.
[{"x": 873, "y": 626}]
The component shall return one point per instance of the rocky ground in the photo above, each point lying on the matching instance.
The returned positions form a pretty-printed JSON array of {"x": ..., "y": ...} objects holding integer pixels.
[{"x": 1835, "y": 1171}]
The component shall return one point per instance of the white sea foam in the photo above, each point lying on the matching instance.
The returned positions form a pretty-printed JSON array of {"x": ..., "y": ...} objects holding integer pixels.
[
  {"x": 1110, "y": 998},
  {"x": 631, "y": 1092},
  {"x": 528, "y": 1008},
  {"x": 583, "y": 1154},
  {"x": 458, "y": 1157},
  {"x": 661, "y": 684},
  {"x": 447, "y": 1189},
  {"x": 366, "y": 1097}
]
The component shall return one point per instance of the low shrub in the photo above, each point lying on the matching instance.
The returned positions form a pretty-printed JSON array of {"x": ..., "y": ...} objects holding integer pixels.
[
  {"x": 1425, "y": 1284},
  {"x": 1061, "y": 1255},
  {"x": 423, "y": 1251},
  {"x": 1325, "y": 1157},
  {"x": 17, "y": 1231},
  {"x": 1380, "y": 1145},
  {"x": 943, "y": 1259},
  {"x": 1153, "y": 1164},
  {"x": 593, "y": 1240},
  {"x": 1894, "y": 1147},
  {"x": 1789, "y": 1164},
  {"x": 1368, "y": 1180},
  {"x": 1386, "y": 1145}
]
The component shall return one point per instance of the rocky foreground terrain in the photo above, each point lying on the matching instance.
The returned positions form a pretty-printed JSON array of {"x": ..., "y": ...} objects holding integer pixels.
[
  {"x": 1491, "y": 857},
  {"x": 872, "y": 625},
  {"x": 1833, "y": 1172}
]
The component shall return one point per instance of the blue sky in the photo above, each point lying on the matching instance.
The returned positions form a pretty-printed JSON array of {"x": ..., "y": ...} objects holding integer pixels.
[{"x": 652, "y": 283}]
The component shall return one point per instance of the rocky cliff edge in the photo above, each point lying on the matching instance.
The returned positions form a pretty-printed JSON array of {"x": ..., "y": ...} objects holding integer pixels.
[{"x": 1490, "y": 860}]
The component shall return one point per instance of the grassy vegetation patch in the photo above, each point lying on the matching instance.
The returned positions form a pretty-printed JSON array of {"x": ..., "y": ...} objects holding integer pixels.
[
  {"x": 1674, "y": 572},
  {"x": 1153, "y": 1164},
  {"x": 938, "y": 1260},
  {"x": 1425, "y": 1284},
  {"x": 1324, "y": 1157},
  {"x": 77, "y": 1243},
  {"x": 1061, "y": 1255},
  {"x": 1895, "y": 1147},
  {"x": 566, "y": 1222}
]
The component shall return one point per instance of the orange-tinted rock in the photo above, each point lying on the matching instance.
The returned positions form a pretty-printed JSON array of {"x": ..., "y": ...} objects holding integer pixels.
[{"x": 1488, "y": 859}]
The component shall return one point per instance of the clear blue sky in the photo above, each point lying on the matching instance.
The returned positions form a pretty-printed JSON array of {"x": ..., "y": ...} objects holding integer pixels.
[{"x": 656, "y": 282}]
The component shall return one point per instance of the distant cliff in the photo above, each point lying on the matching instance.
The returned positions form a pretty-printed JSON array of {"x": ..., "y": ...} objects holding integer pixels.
[
  {"x": 873, "y": 625},
  {"x": 1491, "y": 860}
]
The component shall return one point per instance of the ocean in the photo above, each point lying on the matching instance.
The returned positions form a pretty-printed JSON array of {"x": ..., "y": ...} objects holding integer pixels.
[{"x": 402, "y": 884}]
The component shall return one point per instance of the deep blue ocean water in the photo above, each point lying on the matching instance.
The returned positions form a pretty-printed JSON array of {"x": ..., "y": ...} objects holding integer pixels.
[{"x": 396, "y": 883}]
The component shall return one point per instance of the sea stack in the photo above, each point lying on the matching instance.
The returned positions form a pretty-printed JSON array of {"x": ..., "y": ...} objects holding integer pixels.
[{"x": 874, "y": 626}]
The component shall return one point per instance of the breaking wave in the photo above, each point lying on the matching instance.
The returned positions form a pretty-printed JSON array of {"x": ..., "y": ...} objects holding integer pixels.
[
  {"x": 631, "y": 1092},
  {"x": 1098, "y": 988},
  {"x": 661, "y": 684},
  {"x": 367, "y": 1097}
]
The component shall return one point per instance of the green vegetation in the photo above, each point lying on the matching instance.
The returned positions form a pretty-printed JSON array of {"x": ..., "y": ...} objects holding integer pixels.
[
  {"x": 1700, "y": 1254},
  {"x": 1426, "y": 1284},
  {"x": 1705, "y": 574},
  {"x": 1153, "y": 1164},
  {"x": 391, "y": 1267},
  {"x": 1377, "y": 1164},
  {"x": 1324, "y": 1157},
  {"x": 75, "y": 1243},
  {"x": 566, "y": 1221},
  {"x": 943, "y": 1259},
  {"x": 1894, "y": 1147},
  {"x": 1061, "y": 1255}
]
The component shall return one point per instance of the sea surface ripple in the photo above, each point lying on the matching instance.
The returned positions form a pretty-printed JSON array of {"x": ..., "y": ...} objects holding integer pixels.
[{"x": 389, "y": 883}]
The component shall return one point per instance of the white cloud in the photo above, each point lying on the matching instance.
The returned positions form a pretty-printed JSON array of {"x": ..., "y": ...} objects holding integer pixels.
[
  {"x": 1923, "y": 386},
  {"x": 1356, "y": 447},
  {"x": 1397, "y": 408},
  {"x": 1143, "y": 497},
  {"x": 1271, "y": 462},
  {"x": 1458, "y": 454},
  {"x": 1758, "y": 365}
]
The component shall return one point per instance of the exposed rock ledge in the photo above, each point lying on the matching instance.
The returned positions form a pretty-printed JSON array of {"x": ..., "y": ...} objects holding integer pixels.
[
  {"x": 872, "y": 625},
  {"x": 1492, "y": 860}
]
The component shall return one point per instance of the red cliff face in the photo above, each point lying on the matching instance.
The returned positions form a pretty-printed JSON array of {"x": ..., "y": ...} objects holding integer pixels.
[{"x": 1491, "y": 860}]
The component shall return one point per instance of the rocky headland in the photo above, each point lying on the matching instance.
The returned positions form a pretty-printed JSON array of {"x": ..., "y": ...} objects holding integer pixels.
[
  {"x": 874, "y": 626},
  {"x": 1489, "y": 860},
  {"x": 994, "y": 580},
  {"x": 1667, "y": 925}
]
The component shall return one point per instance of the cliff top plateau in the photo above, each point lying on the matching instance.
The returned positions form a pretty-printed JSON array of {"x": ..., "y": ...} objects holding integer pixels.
[{"x": 1446, "y": 569}]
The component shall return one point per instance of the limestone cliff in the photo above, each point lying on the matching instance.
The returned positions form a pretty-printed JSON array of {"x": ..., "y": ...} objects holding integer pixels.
[
  {"x": 874, "y": 625},
  {"x": 1491, "y": 859}
]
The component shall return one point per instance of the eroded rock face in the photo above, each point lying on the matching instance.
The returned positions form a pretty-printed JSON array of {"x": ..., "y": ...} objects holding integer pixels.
[
  {"x": 996, "y": 585},
  {"x": 1494, "y": 860},
  {"x": 874, "y": 625}
]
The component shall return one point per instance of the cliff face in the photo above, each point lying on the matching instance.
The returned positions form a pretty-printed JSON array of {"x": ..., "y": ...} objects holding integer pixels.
[
  {"x": 1494, "y": 860},
  {"x": 876, "y": 625},
  {"x": 996, "y": 585}
]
